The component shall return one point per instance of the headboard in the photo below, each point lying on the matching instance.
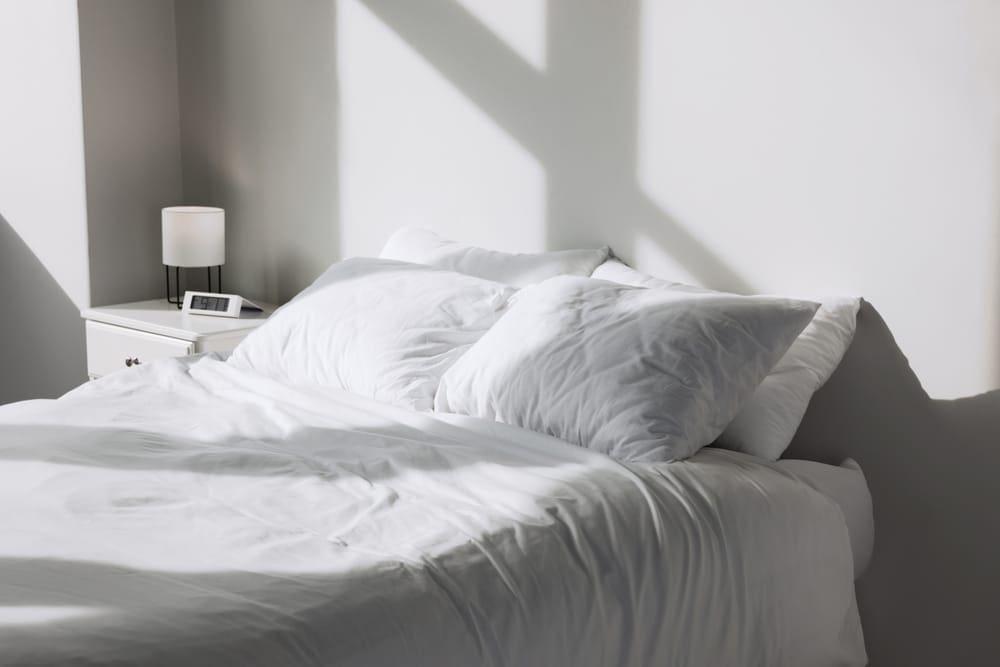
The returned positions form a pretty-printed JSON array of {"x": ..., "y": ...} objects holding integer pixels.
[{"x": 932, "y": 466}]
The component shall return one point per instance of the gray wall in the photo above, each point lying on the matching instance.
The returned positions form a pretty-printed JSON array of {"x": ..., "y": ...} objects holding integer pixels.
[
  {"x": 131, "y": 132},
  {"x": 258, "y": 90}
]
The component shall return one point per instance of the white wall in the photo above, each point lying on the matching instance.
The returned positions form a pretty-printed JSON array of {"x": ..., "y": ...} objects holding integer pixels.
[
  {"x": 42, "y": 188},
  {"x": 769, "y": 146}
]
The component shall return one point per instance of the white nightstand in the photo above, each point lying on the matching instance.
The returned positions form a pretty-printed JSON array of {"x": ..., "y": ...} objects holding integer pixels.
[{"x": 136, "y": 333}]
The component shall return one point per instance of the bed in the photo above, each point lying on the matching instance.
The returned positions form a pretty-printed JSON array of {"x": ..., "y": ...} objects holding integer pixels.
[{"x": 193, "y": 511}]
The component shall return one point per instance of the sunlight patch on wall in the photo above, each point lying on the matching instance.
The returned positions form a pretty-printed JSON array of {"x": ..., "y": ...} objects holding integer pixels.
[
  {"x": 521, "y": 24},
  {"x": 415, "y": 151}
]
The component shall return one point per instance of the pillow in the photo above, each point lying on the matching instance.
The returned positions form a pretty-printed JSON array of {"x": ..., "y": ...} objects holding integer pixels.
[
  {"x": 767, "y": 423},
  {"x": 375, "y": 327},
  {"x": 421, "y": 246},
  {"x": 640, "y": 374},
  {"x": 619, "y": 272}
]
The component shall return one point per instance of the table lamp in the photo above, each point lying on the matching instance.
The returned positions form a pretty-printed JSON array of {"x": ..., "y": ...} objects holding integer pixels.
[{"x": 193, "y": 237}]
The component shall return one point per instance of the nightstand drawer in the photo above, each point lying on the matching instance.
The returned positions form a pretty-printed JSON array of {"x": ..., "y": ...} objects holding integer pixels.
[{"x": 110, "y": 347}]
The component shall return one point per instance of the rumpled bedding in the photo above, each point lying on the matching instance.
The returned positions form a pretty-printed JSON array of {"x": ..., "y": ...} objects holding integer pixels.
[{"x": 190, "y": 513}]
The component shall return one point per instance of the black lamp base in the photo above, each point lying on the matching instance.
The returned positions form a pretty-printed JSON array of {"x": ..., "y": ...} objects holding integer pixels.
[{"x": 179, "y": 301}]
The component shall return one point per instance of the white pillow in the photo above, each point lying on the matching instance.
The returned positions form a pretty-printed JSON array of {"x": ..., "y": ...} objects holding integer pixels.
[
  {"x": 422, "y": 246},
  {"x": 767, "y": 422},
  {"x": 376, "y": 327},
  {"x": 640, "y": 374},
  {"x": 619, "y": 272}
]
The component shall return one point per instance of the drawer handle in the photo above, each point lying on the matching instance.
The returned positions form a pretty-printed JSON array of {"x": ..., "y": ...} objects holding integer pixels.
[{"x": 132, "y": 362}]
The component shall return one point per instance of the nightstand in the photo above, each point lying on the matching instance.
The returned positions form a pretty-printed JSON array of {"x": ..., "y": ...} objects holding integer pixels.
[{"x": 136, "y": 333}]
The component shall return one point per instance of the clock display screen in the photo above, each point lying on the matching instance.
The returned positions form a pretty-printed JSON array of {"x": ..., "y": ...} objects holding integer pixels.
[{"x": 216, "y": 303}]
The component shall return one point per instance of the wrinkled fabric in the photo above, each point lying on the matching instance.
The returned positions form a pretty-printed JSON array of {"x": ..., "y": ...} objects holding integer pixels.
[
  {"x": 376, "y": 327},
  {"x": 190, "y": 512}
]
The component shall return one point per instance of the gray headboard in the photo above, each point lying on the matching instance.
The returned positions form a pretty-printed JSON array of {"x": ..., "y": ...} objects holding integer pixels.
[{"x": 930, "y": 595}]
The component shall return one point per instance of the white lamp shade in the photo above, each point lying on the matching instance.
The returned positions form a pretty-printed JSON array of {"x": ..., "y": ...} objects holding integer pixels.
[{"x": 194, "y": 236}]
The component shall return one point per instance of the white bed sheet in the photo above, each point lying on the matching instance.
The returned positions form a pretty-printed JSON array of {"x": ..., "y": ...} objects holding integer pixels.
[
  {"x": 187, "y": 512},
  {"x": 845, "y": 485}
]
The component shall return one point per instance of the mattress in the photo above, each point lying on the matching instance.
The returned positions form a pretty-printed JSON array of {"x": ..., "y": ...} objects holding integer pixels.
[{"x": 186, "y": 512}]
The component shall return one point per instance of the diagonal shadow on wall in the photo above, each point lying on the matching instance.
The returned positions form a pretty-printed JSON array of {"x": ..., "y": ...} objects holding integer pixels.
[
  {"x": 42, "y": 350},
  {"x": 579, "y": 118}
]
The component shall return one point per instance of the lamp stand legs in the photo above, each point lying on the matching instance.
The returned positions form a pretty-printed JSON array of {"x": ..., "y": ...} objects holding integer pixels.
[{"x": 179, "y": 300}]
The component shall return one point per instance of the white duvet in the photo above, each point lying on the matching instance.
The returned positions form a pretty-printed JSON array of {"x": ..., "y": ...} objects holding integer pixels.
[{"x": 192, "y": 513}]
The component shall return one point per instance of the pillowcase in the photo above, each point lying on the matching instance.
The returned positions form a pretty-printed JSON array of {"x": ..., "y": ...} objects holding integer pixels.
[
  {"x": 422, "y": 246},
  {"x": 375, "y": 327},
  {"x": 768, "y": 421},
  {"x": 619, "y": 272},
  {"x": 640, "y": 374}
]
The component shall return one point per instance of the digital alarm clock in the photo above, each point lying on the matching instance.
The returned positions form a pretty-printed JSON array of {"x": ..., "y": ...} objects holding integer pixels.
[{"x": 219, "y": 305}]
